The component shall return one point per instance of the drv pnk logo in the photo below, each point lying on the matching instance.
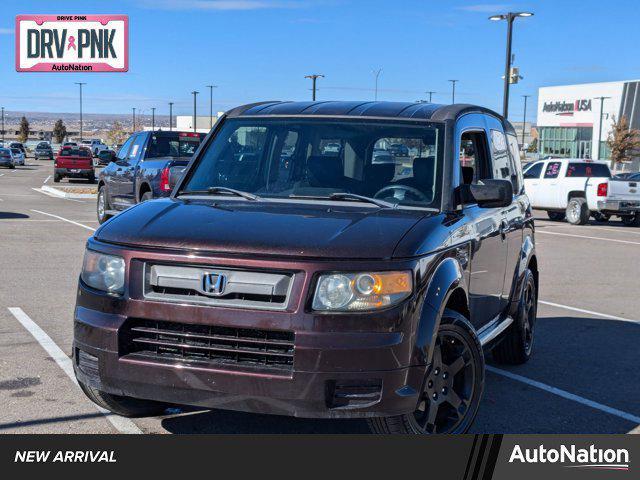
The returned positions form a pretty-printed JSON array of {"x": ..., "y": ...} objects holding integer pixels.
[{"x": 69, "y": 43}]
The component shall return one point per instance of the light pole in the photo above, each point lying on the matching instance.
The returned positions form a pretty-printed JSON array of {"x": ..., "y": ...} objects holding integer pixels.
[
  {"x": 133, "y": 127},
  {"x": 524, "y": 116},
  {"x": 430, "y": 92},
  {"x": 211, "y": 87},
  {"x": 195, "y": 94},
  {"x": 170, "y": 116},
  {"x": 377, "y": 74},
  {"x": 3, "y": 126},
  {"x": 314, "y": 79},
  {"x": 453, "y": 90},
  {"x": 80, "y": 84},
  {"x": 509, "y": 17},
  {"x": 602, "y": 99},
  {"x": 153, "y": 118}
]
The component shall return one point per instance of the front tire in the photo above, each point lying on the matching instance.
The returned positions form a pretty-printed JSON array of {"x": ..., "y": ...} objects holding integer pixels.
[
  {"x": 517, "y": 344},
  {"x": 577, "y": 211},
  {"x": 102, "y": 205},
  {"x": 452, "y": 387},
  {"x": 124, "y": 406}
]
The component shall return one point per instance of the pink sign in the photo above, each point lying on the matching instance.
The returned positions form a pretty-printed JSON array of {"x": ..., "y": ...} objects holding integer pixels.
[{"x": 72, "y": 43}]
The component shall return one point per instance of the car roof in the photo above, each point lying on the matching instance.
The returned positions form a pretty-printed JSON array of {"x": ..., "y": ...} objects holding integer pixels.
[
  {"x": 396, "y": 110},
  {"x": 573, "y": 160}
]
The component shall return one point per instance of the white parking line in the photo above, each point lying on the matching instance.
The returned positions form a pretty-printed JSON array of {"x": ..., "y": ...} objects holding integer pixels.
[
  {"x": 622, "y": 230},
  {"x": 46, "y": 179},
  {"x": 586, "y": 237},
  {"x": 56, "y": 196},
  {"x": 123, "y": 425},
  {"x": 590, "y": 312},
  {"x": 564, "y": 394},
  {"x": 65, "y": 220}
]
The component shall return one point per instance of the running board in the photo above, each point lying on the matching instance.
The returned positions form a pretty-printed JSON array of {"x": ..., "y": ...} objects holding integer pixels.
[{"x": 491, "y": 331}]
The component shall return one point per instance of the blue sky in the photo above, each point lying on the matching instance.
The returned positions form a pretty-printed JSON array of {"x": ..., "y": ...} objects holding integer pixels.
[{"x": 261, "y": 50}]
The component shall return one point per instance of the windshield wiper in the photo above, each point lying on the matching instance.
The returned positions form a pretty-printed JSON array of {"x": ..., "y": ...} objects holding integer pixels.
[
  {"x": 214, "y": 190},
  {"x": 348, "y": 196}
]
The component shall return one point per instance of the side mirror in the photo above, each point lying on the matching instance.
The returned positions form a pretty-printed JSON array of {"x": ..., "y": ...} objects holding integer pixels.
[{"x": 489, "y": 193}]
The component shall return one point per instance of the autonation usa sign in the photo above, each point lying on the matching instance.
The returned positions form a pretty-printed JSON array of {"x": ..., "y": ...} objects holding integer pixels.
[{"x": 72, "y": 43}]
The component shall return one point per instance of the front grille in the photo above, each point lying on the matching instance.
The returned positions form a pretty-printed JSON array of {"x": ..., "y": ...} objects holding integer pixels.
[{"x": 211, "y": 344}]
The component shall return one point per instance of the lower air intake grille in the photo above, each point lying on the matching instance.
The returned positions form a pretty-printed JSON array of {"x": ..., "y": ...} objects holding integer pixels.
[{"x": 208, "y": 343}]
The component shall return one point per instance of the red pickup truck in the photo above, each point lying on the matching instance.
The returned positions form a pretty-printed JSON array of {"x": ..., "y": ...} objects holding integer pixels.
[{"x": 74, "y": 162}]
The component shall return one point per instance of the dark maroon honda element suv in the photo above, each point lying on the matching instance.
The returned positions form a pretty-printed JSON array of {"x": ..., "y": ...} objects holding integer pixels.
[{"x": 325, "y": 259}]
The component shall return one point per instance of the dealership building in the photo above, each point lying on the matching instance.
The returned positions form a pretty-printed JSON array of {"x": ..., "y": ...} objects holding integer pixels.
[{"x": 570, "y": 117}]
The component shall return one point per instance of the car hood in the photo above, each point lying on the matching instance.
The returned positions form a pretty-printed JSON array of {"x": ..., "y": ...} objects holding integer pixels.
[{"x": 318, "y": 230}]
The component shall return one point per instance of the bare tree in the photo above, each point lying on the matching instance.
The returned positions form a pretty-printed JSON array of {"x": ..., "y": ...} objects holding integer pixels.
[{"x": 623, "y": 141}]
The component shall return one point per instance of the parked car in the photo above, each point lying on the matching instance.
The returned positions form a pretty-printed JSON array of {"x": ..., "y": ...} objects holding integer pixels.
[
  {"x": 398, "y": 150},
  {"x": 6, "y": 158},
  {"x": 577, "y": 189},
  {"x": 106, "y": 156},
  {"x": 146, "y": 167},
  {"x": 43, "y": 150},
  {"x": 382, "y": 156},
  {"x": 95, "y": 145},
  {"x": 322, "y": 288},
  {"x": 74, "y": 162},
  {"x": 18, "y": 156},
  {"x": 70, "y": 144},
  {"x": 19, "y": 146}
]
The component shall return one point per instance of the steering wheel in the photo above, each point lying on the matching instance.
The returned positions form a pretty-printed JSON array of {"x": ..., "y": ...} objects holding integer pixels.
[{"x": 403, "y": 188}]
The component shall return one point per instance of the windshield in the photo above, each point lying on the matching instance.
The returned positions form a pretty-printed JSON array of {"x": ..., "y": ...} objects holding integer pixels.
[
  {"x": 398, "y": 162},
  {"x": 43, "y": 145},
  {"x": 179, "y": 144}
]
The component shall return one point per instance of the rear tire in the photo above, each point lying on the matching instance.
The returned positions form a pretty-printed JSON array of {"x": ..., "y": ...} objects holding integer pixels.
[
  {"x": 102, "y": 205},
  {"x": 146, "y": 196},
  {"x": 56, "y": 178},
  {"x": 577, "y": 211},
  {"x": 92, "y": 179},
  {"x": 556, "y": 216},
  {"x": 601, "y": 217},
  {"x": 632, "y": 220},
  {"x": 517, "y": 343},
  {"x": 124, "y": 406},
  {"x": 452, "y": 387}
]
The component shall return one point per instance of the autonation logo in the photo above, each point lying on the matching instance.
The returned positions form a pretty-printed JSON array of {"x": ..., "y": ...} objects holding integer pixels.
[{"x": 588, "y": 458}]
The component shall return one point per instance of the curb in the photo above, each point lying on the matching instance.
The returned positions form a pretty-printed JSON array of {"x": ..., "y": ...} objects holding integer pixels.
[{"x": 61, "y": 194}]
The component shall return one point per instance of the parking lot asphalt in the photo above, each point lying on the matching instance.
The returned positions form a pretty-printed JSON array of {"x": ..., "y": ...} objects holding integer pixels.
[{"x": 583, "y": 376}]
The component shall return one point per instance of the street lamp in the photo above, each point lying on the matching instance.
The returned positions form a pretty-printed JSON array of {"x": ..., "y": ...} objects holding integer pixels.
[
  {"x": 170, "y": 116},
  {"x": 430, "y": 92},
  {"x": 524, "y": 116},
  {"x": 80, "y": 84},
  {"x": 195, "y": 94},
  {"x": 509, "y": 17},
  {"x": 133, "y": 127},
  {"x": 377, "y": 74},
  {"x": 153, "y": 118},
  {"x": 453, "y": 90},
  {"x": 3, "y": 126},
  {"x": 602, "y": 99},
  {"x": 211, "y": 87},
  {"x": 314, "y": 78}
]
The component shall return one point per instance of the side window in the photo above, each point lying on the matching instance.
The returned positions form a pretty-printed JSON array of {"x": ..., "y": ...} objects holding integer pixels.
[
  {"x": 534, "y": 170},
  {"x": 516, "y": 165},
  {"x": 553, "y": 170},
  {"x": 136, "y": 149},
  {"x": 500, "y": 161},
  {"x": 474, "y": 159},
  {"x": 124, "y": 150}
]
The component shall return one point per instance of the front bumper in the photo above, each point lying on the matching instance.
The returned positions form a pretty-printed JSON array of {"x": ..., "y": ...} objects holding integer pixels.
[
  {"x": 619, "y": 206},
  {"x": 340, "y": 370},
  {"x": 43, "y": 155}
]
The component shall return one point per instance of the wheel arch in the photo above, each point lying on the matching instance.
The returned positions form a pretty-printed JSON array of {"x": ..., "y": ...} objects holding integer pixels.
[
  {"x": 144, "y": 187},
  {"x": 446, "y": 289},
  {"x": 576, "y": 194}
]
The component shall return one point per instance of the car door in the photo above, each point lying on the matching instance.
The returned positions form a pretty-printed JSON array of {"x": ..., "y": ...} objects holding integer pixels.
[
  {"x": 126, "y": 171},
  {"x": 550, "y": 186},
  {"x": 489, "y": 248},
  {"x": 532, "y": 182},
  {"x": 112, "y": 174}
]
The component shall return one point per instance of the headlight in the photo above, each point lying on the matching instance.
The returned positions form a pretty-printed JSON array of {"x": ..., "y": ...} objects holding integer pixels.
[
  {"x": 361, "y": 291},
  {"x": 103, "y": 272}
]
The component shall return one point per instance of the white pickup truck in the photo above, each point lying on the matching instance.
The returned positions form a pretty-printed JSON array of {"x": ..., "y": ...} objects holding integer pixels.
[
  {"x": 577, "y": 189},
  {"x": 96, "y": 145}
]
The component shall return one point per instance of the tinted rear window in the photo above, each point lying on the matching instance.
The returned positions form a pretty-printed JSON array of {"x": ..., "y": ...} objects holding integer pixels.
[
  {"x": 179, "y": 144},
  {"x": 43, "y": 145},
  {"x": 588, "y": 170},
  {"x": 74, "y": 152}
]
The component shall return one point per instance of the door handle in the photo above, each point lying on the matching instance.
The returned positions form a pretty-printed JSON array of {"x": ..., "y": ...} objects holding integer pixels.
[{"x": 504, "y": 228}]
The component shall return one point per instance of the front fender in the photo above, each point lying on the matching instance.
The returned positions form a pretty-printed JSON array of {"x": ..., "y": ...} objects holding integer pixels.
[{"x": 447, "y": 277}]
